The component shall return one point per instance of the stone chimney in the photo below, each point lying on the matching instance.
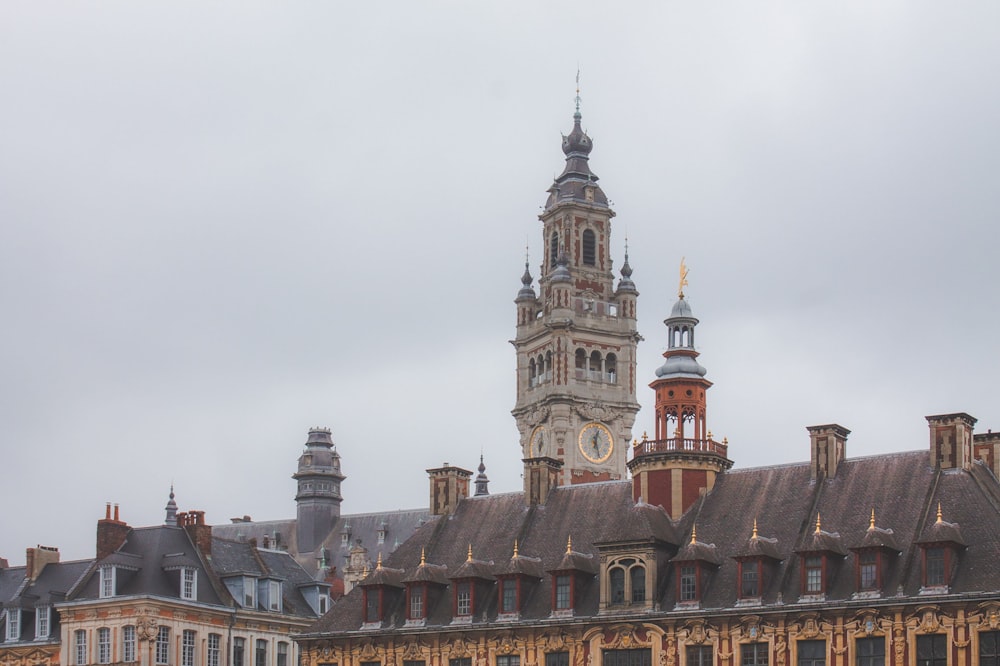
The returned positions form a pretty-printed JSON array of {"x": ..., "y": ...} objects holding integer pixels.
[
  {"x": 111, "y": 533},
  {"x": 951, "y": 440},
  {"x": 986, "y": 447},
  {"x": 448, "y": 485},
  {"x": 193, "y": 523},
  {"x": 827, "y": 449},
  {"x": 541, "y": 475},
  {"x": 37, "y": 558}
]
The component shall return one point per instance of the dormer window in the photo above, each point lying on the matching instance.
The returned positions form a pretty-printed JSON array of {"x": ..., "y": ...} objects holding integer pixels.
[
  {"x": 373, "y": 604},
  {"x": 42, "y": 622},
  {"x": 563, "y": 596},
  {"x": 869, "y": 571},
  {"x": 750, "y": 579},
  {"x": 417, "y": 601},
  {"x": 509, "y": 595},
  {"x": 13, "y": 624},
  {"x": 687, "y": 582},
  {"x": 940, "y": 544},
  {"x": 249, "y": 592},
  {"x": 108, "y": 585},
  {"x": 626, "y": 582},
  {"x": 189, "y": 583},
  {"x": 274, "y": 595},
  {"x": 463, "y": 598},
  {"x": 812, "y": 574},
  {"x": 935, "y": 562},
  {"x": 468, "y": 582}
]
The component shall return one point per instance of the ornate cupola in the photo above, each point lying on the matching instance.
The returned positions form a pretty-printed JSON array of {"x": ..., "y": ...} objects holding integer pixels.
[
  {"x": 683, "y": 460},
  {"x": 318, "y": 495},
  {"x": 576, "y": 340}
]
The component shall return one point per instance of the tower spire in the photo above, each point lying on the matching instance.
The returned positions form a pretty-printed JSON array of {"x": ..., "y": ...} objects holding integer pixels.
[{"x": 171, "y": 508}]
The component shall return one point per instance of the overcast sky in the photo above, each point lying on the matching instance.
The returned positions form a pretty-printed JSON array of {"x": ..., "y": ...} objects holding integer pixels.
[{"x": 224, "y": 223}]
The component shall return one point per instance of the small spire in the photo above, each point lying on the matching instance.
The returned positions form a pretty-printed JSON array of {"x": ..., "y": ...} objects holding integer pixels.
[
  {"x": 515, "y": 548},
  {"x": 423, "y": 556},
  {"x": 577, "y": 115},
  {"x": 378, "y": 564},
  {"x": 939, "y": 518},
  {"x": 818, "y": 529},
  {"x": 871, "y": 521},
  {"x": 754, "y": 536},
  {"x": 469, "y": 558},
  {"x": 694, "y": 533},
  {"x": 569, "y": 544}
]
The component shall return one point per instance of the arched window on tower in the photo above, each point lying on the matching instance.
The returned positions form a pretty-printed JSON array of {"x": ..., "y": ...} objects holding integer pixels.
[
  {"x": 547, "y": 376},
  {"x": 581, "y": 364},
  {"x": 589, "y": 248},
  {"x": 595, "y": 366},
  {"x": 553, "y": 249},
  {"x": 611, "y": 369},
  {"x": 532, "y": 373}
]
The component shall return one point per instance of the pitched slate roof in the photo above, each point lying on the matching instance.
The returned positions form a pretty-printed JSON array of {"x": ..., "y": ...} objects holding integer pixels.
[
  {"x": 902, "y": 488},
  {"x": 51, "y": 586}
]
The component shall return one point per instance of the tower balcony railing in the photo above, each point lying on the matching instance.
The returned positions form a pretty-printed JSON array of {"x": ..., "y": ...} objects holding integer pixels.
[{"x": 648, "y": 446}]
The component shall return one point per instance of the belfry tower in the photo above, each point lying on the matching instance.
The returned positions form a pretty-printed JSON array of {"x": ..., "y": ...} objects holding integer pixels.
[
  {"x": 682, "y": 460},
  {"x": 576, "y": 340},
  {"x": 318, "y": 495}
]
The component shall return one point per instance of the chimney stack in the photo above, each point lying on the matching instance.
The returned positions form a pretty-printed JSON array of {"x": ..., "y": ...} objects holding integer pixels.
[
  {"x": 951, "y": 440},
  {"x": 827, "y": 449},
  {"x": 37, "y": 558},
  {"x": 193, "y": 523},
  {"x": 449, "y": 485},
  {"x": 541, "y": 475},
  {"x": 111, "y": 533}
]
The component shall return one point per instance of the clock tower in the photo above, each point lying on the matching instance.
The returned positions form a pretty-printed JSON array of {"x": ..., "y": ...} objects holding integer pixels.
[{"x": 576, "y": 338}]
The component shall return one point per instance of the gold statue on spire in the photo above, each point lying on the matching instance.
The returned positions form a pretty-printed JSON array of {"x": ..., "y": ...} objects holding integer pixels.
[{"x": 683, "y": 281}]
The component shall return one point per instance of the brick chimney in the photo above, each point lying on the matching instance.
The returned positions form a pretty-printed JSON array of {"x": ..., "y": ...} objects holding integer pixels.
[
  {"x": 951, "y": 440},
  {"x": 111, "y": 533},
  {"x": 36, "y": 559},
  {"x": 541, "y": 475},
  {"x": 827, "y": 449},
  {"x": 986, "y": 446},
  {"x": 449, "y": 485},
  {"x": 193, "y": 523}
]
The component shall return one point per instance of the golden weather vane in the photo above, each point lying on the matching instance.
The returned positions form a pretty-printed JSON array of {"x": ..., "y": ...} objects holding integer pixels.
[{"x": 683, "y": 281}]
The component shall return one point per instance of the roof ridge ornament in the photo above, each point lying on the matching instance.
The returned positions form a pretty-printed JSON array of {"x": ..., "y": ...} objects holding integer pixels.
[
  {"x": 378, "y": 564},
  {"x": 423, "y": 557},
  {"x": 871, "y": 522},
  {"x": 469, "y": 558},
  {"x": 939, "y": 518},
  {"x": 515, "y": 556},
  {"x": 818, "y": 528},
  {"x": 754, "y": 535},
  {"x": 694, "y": 534},
  {"x": 569, "y": 544}
]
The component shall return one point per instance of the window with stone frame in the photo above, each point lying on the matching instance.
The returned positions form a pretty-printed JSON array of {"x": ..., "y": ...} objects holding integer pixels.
[
  {"x": 754, "y": 654},
  {"x": 188, "y": 640},
  {"x": 260, "y": 653},
  {"x": 162, "y": 652},
  {"x": 460, "y": 661},
  {"x": 80, "y": 647},
  {"x": 214, "y": 653},
  {"x": 414, "y": 662},
  {"x": 626, "y": 579},
  {"x": 128, "y": 644},
  {"x": 282, "y": 654},
  {"x": 104, "y": 645},
  {"x": 633, "y": 657},
  {"x": 870, "y": 651},
  {"x": 589, "y": 248},
  {"x": 811, "y": 653},
  {"x": 698, "y": 655},
  {"x": 508, "y": 660},
  {"x": 932, "y": 650},
  {"x": 989, "y": 648},
  {"x": 239, "y": 651},
  {"x": 557, "y": 659}
]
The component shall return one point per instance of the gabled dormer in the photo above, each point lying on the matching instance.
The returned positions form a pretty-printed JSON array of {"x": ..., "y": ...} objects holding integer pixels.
[
  {"x": 758, "y": 562},
  {"x": 471, "y": 583},
  {"x": 694, "y": 564},
  {"x": 873, "y": 556},
  {"x": 424, "y": 588},
  {"x": 819, "y": 556},
  {"x": 569, "y": 578},
  {"x": 941, "y": 544},
  {"x": 381, "y": 590},
  {"x": 516, "y": 579}
]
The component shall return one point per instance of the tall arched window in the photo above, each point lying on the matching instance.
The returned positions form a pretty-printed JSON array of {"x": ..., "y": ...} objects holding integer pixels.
[
  {"x": 581, "y": 364},
  {"x": 595, "y": 365},
  {"x": 589, "y": 248},
  {"x": 637, "y": 576},
  {"x": 553, "y": 249},
  {"x": 532, "y": 373},
  {"x": 611, "y": 369},
  {"x": 616, "y": 586}
]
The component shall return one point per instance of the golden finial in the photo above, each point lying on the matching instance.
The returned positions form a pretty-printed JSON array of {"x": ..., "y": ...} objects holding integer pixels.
[
  {"x": 818, "y": 529},
  {"x": 378, "y": 565},
  {"x": 871, "y": 521},
  {"x": 683, "y": 280},
  {"x": 515, "y": 547},
  {"x": 469, "y": 559},
  {"x": 710, "y": 435},
  {"x": 694, "y": 533},
  {"x": 725, "y": 440},
  {"x": 569, "y": 544},
  {"x": 939, "y": 518},
  {"x": 364, "y": 574},
  {"x": 423, "y": 557},
  {"x": 754, "y": 536},
  {"x": 645, "y": 437}
]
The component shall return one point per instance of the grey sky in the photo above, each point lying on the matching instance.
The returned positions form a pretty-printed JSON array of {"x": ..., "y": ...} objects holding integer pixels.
[{"x": 223, "y": 223}]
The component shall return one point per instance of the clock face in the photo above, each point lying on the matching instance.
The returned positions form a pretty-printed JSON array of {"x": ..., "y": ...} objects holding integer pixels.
[
  {"x": 596, "y": 443},
  {"x": 538, "y": 442}
]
